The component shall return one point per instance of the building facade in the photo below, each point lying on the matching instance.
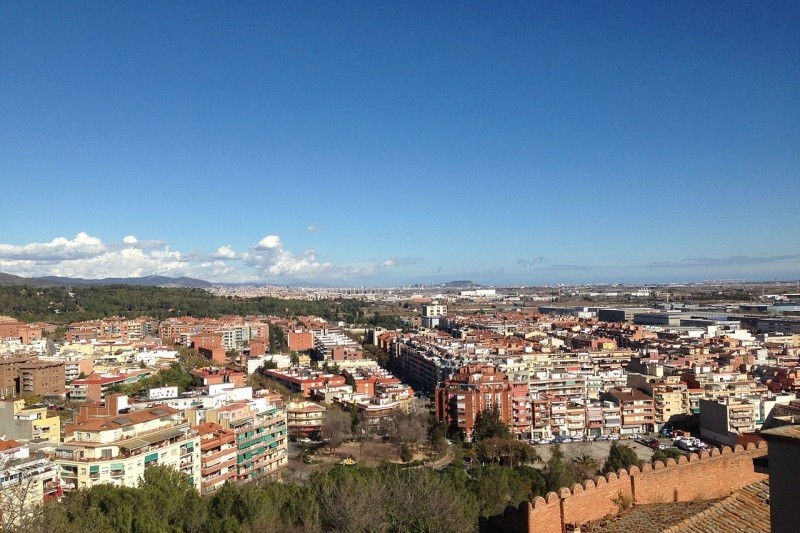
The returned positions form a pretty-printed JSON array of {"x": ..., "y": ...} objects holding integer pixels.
[
  {"x": 472, "y": 389},
  {"x": 119, "y": 445}
]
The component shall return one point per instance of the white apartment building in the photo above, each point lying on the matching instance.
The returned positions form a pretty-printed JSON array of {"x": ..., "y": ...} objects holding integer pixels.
[{"x": 117, "y": 448}]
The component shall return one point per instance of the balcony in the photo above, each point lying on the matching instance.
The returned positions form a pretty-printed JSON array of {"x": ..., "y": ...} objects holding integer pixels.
[
  {"x": 210, "y": 469},
  {"x": 209, "y": 456}
]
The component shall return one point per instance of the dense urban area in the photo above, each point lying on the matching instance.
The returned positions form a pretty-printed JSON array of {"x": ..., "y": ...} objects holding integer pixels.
[{"x": 449, "y": 407}]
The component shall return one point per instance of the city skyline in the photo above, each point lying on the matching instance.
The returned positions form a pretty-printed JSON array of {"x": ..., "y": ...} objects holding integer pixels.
[{"x": 368, "y": 144}]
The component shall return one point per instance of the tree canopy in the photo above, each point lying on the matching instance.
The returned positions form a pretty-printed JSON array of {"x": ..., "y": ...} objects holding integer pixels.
[
  {"x": 62, "y": 305},
  {"x": 489, "y": 425},
  {"x": 620, "y": 456}
]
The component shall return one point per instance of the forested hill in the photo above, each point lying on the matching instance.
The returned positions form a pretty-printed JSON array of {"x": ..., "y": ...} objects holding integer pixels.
[{"x": 56, "y": 304}]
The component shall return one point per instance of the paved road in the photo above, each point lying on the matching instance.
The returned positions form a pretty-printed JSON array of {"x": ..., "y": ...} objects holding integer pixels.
[{"x": 444, "y": 461}]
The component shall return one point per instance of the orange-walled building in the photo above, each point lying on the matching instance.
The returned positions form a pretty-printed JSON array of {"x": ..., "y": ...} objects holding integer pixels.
[
  {"x": 302, "y": 380},
  {"x": 215, "y": 376},
  {"x": 26, "y": 333},
  {"x": 41, "y": 377},
  {"x": 210, "y": 345},
  {"x": 258, "y": 347},
  {"x": 300, "y": 341},
  {"x": 469, "y": 391},
  {"x": 217, "y": 456},
  {"x": 346, "y": 353}
]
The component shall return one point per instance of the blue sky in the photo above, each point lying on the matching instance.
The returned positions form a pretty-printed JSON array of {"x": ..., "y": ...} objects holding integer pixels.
[{"x": 383, "y": 143}]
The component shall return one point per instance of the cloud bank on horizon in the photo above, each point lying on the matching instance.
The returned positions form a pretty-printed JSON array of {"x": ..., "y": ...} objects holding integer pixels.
[
  {"x": 85, "y": 256},
  {"x": 269, "y": 261}
]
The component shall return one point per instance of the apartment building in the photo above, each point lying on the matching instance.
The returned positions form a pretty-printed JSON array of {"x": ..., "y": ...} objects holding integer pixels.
[
  {"x": 114, "y": 444},
  {"x": 210, "y": 345},
  {"x": 434, "y": 310},
  {"x": 723, "y": 419},
  {"x": 41, "y": 377},
  {"x": 23, "y": 423},
  {"x": 396, "y": 392},
  {"x": 575, "y": 419},
  {"x": 469, "y": 391},
  {"x": 636, "y": 409},
  {"x": 26, "y": 333},
  {"x": 261, "y": 437},
  {"x": 74, "y": 365},
  {"x": 25, "y": 485},
  {"x": 540, "y": 426},
  {"x": 595, "y": 419},
  {"x": 94, "y": 388},
  {"x": 521, "y": 411},
  {"x": 303, "y": 380},
  {"x": 377, "y": 411},
  {"x": 217, "y": 456},
  {"x": 424, "y": 366},
  {"x": 9, "y": 373},
  {"x": 216, "y": 376},
  {"x": 304, "y": 418},
  {"x": 669, "y": 395},
  {"x": 300, "y": 340},
  {"x": 558, "y": 416},
  {"x": 569, "y": 387},
  {"x": 331, "y": 344}
]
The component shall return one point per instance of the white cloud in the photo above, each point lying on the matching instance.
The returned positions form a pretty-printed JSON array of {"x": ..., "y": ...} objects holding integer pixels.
[
  {"x": 88, "y": 257},
  {"x": 269, "y": 242},
  {"x": 225, "y": 252},
  {"x": 60, "y": 248},
  {"x": 270, "y": 260},
  {"x": 315, "y": 229}
]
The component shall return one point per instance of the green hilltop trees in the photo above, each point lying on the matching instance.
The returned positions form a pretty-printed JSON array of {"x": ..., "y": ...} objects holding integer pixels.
[{"x": 59, "y": 305}]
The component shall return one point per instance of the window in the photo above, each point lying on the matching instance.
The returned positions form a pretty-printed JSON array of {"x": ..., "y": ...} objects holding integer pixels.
[{"x": 106, "y": 453}]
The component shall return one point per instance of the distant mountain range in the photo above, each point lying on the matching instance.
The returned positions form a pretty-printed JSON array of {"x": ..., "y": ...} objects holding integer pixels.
[{"x": 151, "y": 281}]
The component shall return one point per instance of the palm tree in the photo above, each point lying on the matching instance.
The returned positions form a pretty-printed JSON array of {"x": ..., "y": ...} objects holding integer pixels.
[{"x": 585, "y": 466}]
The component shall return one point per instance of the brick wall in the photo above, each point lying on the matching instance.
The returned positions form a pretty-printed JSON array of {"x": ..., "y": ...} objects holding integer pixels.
[
  {"x": 545, "y": 514},
  {"x": 698, "y": 478},
  {"x": 595, "y": 498},
  {"x": 705, "y": 476}
]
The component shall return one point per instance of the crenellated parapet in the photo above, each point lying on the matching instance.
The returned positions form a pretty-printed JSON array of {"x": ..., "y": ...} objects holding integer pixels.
[{"x": 697, "y": 476}]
